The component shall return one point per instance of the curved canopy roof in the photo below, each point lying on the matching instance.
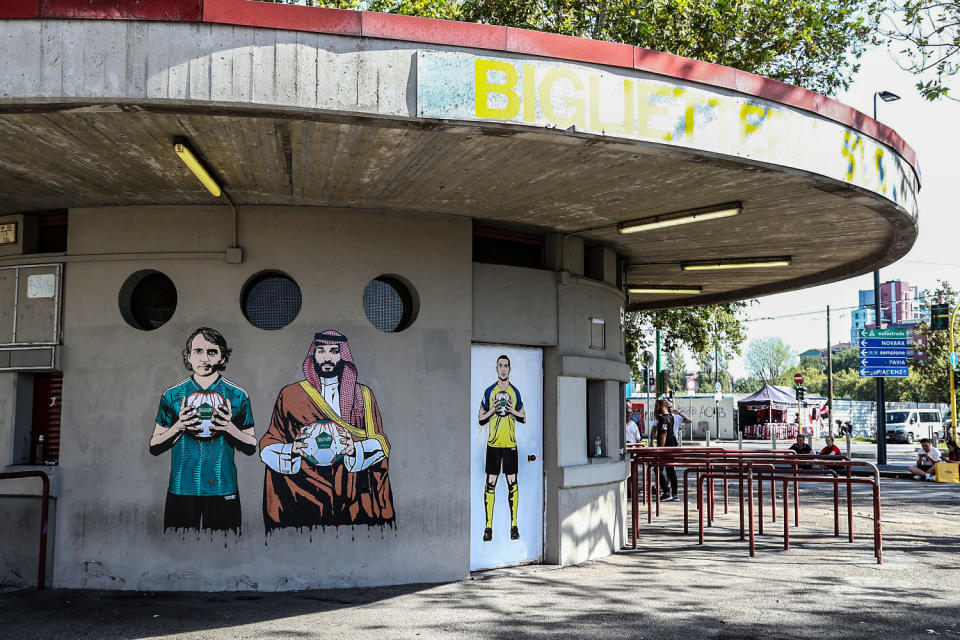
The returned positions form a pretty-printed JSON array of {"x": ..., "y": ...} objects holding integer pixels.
[{"x": 528, "y": 131}]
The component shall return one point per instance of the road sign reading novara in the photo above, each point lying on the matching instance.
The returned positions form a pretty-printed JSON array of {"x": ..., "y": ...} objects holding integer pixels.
[
  {"x": 798, "y": 378},
  {"x": 629, "y": 104}
]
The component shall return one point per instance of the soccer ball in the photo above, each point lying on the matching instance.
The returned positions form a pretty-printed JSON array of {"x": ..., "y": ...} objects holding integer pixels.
[
  {"x": 322, "y": 442},
  {"x": 206, "y": 403}
]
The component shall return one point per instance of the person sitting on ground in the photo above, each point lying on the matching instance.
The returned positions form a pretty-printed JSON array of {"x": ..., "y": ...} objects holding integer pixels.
[
  {"x": 801, "y": 446},
  {"x": 831, "y": 449},
  {"x": 953, "y": 451},
  {"x": 928, "y": 457}
]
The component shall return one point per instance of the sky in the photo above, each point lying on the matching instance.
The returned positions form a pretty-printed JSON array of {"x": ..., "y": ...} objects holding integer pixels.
[{"x": 933, "y": 131}]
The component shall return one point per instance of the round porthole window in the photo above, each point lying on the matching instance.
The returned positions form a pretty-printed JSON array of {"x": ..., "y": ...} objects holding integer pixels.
[
  {"x": 390, "y": 303},
  {"x": 271, "y": 300},
  {"x": 147, "y": 300}
]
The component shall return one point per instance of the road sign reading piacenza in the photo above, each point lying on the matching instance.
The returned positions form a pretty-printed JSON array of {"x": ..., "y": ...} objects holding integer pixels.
[{"x": 884, "y": 353}]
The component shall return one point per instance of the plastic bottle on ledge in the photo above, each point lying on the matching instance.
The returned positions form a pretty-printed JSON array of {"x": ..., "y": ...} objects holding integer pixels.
[
  {"x": 597, "y": 448},
  {"x": 39, "y": 453}
]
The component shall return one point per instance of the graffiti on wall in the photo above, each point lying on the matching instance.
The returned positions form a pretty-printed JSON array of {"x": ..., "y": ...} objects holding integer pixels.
[
  {"x": 501, "y": 408},
  {"x": 325, "y": 450},
  {"x": 632, "y": 105},
  {"x": 202, "y": 420}
]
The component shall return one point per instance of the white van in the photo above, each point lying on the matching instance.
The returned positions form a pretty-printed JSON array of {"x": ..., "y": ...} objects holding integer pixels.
[{"x": 910, "y": 425}]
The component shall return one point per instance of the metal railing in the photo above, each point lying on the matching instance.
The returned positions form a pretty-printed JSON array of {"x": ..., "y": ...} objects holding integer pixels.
[
  {"x": 44, "y": 516},
  {"x": 748, "y": 467}
]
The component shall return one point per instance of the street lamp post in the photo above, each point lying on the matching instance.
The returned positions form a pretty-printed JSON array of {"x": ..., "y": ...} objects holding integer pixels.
[{"x": 886, "y": 96}]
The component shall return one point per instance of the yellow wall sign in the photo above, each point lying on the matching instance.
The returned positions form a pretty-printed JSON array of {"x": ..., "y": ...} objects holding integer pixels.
[
  {"x": 632, "y": 105},
  {"x": 8, "y": 233}
]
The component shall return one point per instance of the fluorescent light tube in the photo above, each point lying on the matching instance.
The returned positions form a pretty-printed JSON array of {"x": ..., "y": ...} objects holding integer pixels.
[
  {"x": 198, "y": 169},
  {"x": 681, "y": 217}
]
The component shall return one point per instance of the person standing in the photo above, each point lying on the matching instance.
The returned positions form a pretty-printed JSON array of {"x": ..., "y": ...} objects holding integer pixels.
[
  {"x": 631, "y": 431},
  {"x": 501, "y": 408},
  {"x": 666, "y": 436}
]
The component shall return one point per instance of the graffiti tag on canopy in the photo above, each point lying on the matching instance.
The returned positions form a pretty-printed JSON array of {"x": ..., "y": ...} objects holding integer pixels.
[{"x": 537, "y": 93}]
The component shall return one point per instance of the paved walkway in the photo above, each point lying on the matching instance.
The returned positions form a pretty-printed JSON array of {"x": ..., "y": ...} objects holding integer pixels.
[{"x": 668, "y": 588}]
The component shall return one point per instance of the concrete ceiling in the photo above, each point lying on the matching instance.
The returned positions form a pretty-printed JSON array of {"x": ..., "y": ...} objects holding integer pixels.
[{"x": 60, "y": 156}]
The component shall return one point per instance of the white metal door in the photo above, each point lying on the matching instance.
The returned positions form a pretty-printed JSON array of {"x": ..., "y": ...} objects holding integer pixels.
[{"x": 487, "y": 389}]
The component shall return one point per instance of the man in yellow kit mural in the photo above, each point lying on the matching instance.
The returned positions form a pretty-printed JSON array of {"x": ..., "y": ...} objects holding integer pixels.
[{"x": 501, "y": 408}]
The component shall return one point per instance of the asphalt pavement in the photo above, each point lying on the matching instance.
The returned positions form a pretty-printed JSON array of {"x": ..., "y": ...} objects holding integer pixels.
[{"x": 669, "y": 587}]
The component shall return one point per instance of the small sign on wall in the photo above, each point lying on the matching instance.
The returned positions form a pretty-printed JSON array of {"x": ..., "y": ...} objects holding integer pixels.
[
  {"x": 598, "y": 333},
  {"x": 8, "y": 233},
  {"x": 42, "y": 285}
]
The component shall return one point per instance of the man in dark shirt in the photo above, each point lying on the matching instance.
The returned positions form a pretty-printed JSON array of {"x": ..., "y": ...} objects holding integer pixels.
[{"x": 801, "y": 446}]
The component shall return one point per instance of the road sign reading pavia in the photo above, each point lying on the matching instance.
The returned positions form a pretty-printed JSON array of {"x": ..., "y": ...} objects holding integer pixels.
[
  {"x": 798, "y": 378},
  {"x": 883, "y": 362}
]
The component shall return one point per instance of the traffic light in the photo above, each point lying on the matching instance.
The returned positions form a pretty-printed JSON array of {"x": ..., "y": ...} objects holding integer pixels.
[
  {"x": 940, "y": 317},
  {"x": 801, "y": 393}
]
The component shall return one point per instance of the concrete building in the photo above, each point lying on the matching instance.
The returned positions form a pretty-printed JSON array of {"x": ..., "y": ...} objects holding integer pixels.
[{"x": 391, "y": 205}]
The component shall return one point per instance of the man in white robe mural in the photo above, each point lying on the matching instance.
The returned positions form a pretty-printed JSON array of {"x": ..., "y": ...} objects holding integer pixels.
[{"x": 325, "y": 449}]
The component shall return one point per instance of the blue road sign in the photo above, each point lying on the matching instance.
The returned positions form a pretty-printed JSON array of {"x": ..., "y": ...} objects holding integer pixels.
[
  {"x": 883, "y": 333},
  {"x": 884, "y": 372},
  {"x": 877, "y": 343},
  {"x": 953, "y": 359},
  {"x": 885, "y": 353},
  {"x": 884, "y": 362}
]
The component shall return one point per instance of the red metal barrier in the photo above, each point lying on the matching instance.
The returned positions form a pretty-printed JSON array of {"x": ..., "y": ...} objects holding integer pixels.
[
  {"x": 751, "y": 466},
  {"x": 44, "y": 511}
]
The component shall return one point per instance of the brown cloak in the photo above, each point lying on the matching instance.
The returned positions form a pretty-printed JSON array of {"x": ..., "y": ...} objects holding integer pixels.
[{"x": 325, "y": 495}]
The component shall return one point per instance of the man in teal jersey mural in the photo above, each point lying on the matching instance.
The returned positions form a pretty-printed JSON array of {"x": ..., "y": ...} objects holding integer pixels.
[{"x": 202, "y": 420}]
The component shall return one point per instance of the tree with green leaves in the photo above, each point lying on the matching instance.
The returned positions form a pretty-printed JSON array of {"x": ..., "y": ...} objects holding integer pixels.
[
  {"x": 699, "y": 329},
  {"x": 676, "y": 372},
  {"x": 705, "y": 379},
  {"x": 814, "y": 379},
  {"x": 749, "y": 385},
  {"x": 934, "y": 369},
  {"x": 928, "y": 32},
  {"x": 769, "y": 360}
]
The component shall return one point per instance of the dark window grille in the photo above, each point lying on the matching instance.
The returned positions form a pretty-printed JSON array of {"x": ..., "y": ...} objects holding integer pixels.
[
  {"x": 52, "y": 233},
  {"x": 148, "y": 299},
  {"x": 271, "y": 301},
  {"x": 388, "y": 304},
  {"x": 496, "y": 246}
]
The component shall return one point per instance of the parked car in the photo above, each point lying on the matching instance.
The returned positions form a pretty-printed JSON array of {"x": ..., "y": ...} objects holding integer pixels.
[{"x": 910, "y": 425}]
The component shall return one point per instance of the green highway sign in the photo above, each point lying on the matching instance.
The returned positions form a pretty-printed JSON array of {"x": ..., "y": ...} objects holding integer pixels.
[{"x": 883, "y": 333}]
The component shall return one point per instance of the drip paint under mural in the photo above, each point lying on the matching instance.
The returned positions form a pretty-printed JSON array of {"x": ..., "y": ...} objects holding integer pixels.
[
  {"x": 506, "y": 517},
  {"x": 325, "y": 450},
  {"x": 202, "y": 421}
]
